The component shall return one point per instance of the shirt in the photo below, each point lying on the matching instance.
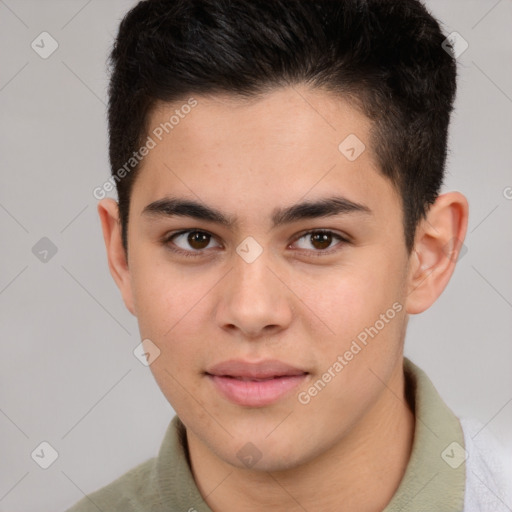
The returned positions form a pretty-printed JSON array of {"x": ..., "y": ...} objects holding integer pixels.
[{"x": 435, "y": 478}]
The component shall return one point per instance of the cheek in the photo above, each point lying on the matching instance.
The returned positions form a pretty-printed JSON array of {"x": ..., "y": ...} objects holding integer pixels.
[
  {"x": 162, "y": 294},
  {"x": 168, "y": 307},
  {"x": 171, "y": 312},
  {"x": 363, "y": 308},
  {"x": 355, "y": 297}
]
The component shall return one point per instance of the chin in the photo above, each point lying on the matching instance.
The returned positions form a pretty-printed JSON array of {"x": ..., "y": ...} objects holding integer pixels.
[
  {"x": 269, "y": 462},
  {"x": 260, "y": 453}
]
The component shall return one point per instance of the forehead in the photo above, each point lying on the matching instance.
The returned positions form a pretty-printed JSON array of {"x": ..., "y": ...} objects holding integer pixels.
[
  {"x": 275, "y": 148},
  {"x": 294, "y": 116}
]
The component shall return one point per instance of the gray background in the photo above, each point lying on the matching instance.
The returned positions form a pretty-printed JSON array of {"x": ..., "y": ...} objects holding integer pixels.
[{"x": 68, "y": 374}]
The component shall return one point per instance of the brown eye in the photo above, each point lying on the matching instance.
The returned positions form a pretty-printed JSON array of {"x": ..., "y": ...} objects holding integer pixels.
[
  {"x": 189, "y": 243},
  {"x": 319, "y": 241},
  {"x": 198, "y": 239}
]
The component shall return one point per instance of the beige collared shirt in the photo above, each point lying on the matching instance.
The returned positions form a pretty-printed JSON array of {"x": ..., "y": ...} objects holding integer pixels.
[{"x": 434, "y": 479}]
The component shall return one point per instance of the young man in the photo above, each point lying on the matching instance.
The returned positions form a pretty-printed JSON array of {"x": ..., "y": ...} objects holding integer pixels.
[{"x": 278, "y": 165}]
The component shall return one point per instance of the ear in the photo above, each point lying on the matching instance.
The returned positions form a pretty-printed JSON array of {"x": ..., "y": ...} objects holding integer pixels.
[
  {"x": 437, "y": 245},
  {"x": 108, "y": 211}
]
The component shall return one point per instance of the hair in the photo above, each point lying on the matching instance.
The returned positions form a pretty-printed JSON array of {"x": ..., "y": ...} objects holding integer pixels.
[{"x": 386, "y": 55}]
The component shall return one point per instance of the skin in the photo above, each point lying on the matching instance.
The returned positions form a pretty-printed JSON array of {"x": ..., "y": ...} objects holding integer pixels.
[{"x": 246, "y": 159}]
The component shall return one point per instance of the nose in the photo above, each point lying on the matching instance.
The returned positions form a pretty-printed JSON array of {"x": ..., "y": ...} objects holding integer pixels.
[{"x": 255, "y": 301}]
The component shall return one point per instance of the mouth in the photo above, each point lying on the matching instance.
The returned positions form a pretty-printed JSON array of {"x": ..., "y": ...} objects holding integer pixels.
[
  {"x": 255, "y": 384},
  {"x": 251, "y": 379}
]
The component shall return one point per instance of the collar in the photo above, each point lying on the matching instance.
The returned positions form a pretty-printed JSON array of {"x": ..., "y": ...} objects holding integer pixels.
[
  {"x": 435, "y": 475},
  {"x": 433, "y": 480}
]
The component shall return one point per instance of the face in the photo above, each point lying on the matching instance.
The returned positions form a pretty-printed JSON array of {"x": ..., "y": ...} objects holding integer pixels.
[{"x": 273, "y": 325}]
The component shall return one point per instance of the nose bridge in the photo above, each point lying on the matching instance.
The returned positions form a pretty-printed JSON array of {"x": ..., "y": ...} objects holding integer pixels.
[
  {"x": 252, "y": 277},
  {"x": 253, "y": 298}
]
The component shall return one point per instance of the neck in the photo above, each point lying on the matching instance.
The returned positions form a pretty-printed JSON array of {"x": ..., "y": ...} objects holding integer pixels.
[{"x": 373, "y": 456}]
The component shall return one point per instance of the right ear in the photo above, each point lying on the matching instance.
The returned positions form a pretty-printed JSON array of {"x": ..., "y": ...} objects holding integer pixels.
[{"x": 108, "y": 210}]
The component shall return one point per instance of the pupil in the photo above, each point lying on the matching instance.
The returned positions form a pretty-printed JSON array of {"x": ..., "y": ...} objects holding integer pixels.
[
  {"x": 194, "y": 238},
  {"x": 323, "y": 239}
]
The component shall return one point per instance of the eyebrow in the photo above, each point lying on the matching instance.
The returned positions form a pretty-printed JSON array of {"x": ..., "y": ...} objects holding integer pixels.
[{"x": 326, "y": 207}]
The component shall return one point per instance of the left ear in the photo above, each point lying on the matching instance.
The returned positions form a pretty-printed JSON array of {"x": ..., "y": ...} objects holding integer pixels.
[{"x": 438, "y": 242}]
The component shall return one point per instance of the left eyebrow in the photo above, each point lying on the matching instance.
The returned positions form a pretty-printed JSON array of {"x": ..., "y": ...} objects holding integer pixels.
[{"x": 326, "y": 207}]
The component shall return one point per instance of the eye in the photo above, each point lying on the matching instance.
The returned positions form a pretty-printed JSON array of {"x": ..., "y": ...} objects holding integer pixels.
[
  {"x": 194, "y": 242},
  {"x": 194, "y": 238},
  {"x": 320, "y": 240}
]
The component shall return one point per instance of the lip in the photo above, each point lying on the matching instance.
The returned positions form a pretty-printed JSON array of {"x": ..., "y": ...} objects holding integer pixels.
[{"x": 255, "y": 384}]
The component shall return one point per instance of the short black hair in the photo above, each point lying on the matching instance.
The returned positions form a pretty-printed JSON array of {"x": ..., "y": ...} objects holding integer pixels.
[{"x": 385, "y": 55}]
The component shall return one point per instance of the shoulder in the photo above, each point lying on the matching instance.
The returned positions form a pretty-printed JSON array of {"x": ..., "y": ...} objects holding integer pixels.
[
  {"x": 488, "y": 470},
  {"x": 134, "y": 491}
]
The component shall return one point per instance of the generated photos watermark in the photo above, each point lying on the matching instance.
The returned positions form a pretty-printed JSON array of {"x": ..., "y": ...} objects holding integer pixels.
[
  {"x": 152, "y": 140},
  {"x": 357, "y": 345}
]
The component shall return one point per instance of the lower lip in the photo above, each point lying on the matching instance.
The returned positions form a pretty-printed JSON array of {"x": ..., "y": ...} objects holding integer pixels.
[{"x": 256, "y": 393}]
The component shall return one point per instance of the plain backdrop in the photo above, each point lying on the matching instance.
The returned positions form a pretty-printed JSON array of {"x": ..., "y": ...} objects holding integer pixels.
[{"x": 68, "y": 375}]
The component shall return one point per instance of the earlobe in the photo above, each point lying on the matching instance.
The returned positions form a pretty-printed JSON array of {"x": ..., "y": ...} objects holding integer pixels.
[
  {"x": 108, "y": 212},
  {"x": 438, "y": 242}
]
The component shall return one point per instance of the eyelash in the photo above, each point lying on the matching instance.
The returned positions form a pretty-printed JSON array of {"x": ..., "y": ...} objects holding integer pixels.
[{"x": 194, "y": 254}]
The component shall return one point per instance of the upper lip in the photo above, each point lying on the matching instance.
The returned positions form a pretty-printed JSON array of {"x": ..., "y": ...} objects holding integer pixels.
[{"x": 255, "y": 370}]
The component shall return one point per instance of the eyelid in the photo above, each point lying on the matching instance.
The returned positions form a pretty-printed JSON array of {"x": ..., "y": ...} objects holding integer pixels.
[
  {"x": 343, "y": 239},
  {"x": 342, "y": 236},
  {"x": 168, "y": 238}
]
